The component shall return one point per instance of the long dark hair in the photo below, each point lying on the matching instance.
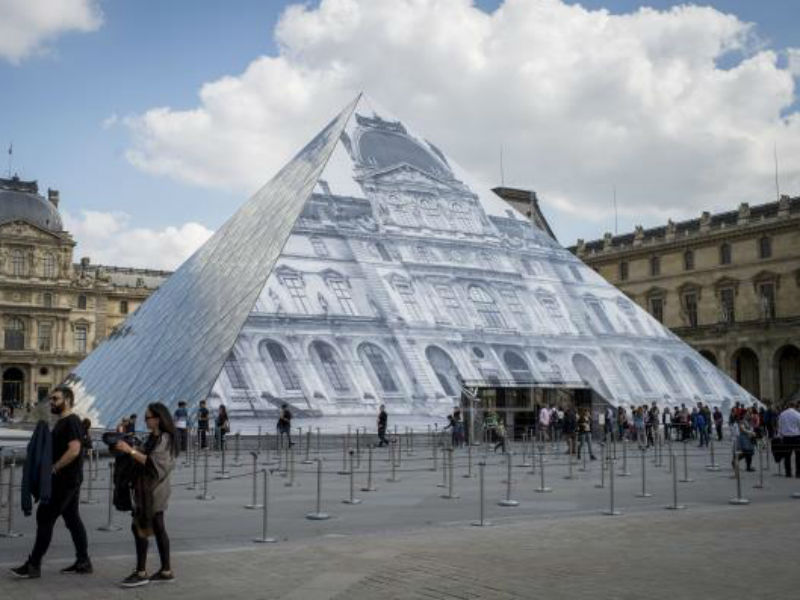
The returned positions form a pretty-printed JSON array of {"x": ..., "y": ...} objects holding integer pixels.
[{"x": 165, "y": 425}]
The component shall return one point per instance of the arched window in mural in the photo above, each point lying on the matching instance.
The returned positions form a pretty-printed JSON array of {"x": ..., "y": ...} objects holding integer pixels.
[
  {"x": 445, "y": 369},
  {"x": 234, "y": 372},
  {"x": 698, "y": 378},
  {"x": 591, "y": 376},
  {"x": 341, "y": 289},
  {"x": 634, "y": 369},
  {"x": 511, "y": 299},
  {"x": 596, "y": 308},
  {"x": 517, "y": 366},
  {"x": 406, "y": 292},
  {"x": 275, "y": 353},
  {"x": 448, "y": 299},
  {"x": 628, "y": 309},
  {"x": 553, "y": 309},
  {"x": 486, "y": 307},
  {"x": 667, "y": 374},
  {"x": 380, "y": 367},
  {"x": 335, "y": 375},
  {"x": 294, "y": 284}
]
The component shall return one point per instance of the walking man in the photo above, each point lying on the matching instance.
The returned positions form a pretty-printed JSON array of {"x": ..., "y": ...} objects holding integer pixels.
[
  {"x": 789, "y": 430},
  {"x": 67, "y": 476},
  {"x": 383, "y": 420},
  {"x": 285, "y": 424}
]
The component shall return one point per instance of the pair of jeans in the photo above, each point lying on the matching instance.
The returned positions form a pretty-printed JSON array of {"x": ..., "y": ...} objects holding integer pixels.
[
  {"x": 162, "y": 541},
  {"x": 703, "y": 437},
  {"x": 792, "y": 444},
  {"x": 63, "y": 503},
  {"x": 585, "y": 438}
]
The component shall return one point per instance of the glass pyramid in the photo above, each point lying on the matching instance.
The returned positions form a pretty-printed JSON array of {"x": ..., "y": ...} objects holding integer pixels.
[{"x": 373, "y": 270}]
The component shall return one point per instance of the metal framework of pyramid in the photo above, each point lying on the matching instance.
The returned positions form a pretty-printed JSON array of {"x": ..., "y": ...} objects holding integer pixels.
[{"x": 373, "y": 270}]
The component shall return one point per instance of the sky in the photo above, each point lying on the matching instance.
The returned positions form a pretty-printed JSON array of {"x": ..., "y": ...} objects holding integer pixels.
[{"x": 156, "y": 120}]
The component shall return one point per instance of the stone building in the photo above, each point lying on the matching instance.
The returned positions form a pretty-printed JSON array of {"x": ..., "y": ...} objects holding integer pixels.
[
  {"x": 53, "y": 312},
  {"x": 728, "y": 284}
]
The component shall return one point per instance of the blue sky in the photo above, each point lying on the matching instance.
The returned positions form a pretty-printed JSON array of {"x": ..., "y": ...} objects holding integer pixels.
[{"x": 64, "y": 108}]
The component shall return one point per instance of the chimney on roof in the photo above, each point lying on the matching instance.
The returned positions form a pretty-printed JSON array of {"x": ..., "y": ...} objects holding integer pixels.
[{"x": 52, "y": 195}]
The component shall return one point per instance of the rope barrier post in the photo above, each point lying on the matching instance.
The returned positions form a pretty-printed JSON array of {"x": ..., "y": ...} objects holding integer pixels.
[
  {"x": 686, "y": 478},
  {"x": 319, "y": 441},
  {"x": 612, "y": 511},
  {"x": 3, "y": 497},
  {"x": 318, "y": 515},
  {"x": 410, "y": 445},
  {"x": 237, "y": 462},
  {"x": 443, "y": 484},
  {"x": 109, "y": 526},
  {"x": 90, "y": 482},
  {"x": 9, "y": 532},
  {"x": 450, "y": 495},
  {"x": 525, "y": 442},
  {"x": 482, "y": 522},
  {"x": 760, "y": 484},
  {"x": 468, "y": 474},
  {"x": 624, "y": 472},
  {"x": 300, "y": 440},
  {"x": 258, "y": 441},
  {"x": 95, "y": 462},
  {"x": 602, "y": 483},
  {"x": 674, "y": 470},
  {"x": 398, "y": 452},
  {"x": 738, "y": 499},
  {"x": 369, "y": 487},
  {"x": 352, "y": 499},
  {"x": 193, "y": 485},
  {"x": 570, "y": 474},
  {"x": 254, "y": 503},
  {"x": 223, "y": 473},
  {"x": 358, "y": 447},
  {"x": 205, "y": 495},
  {"x": 393, "y": 478},
  {"x": 343, "y": 470},
  {"x": 435, "y": 457},
  {"x": 267, "y": 453},
  {"x": 644, "y": 493},
  {"x": 712, "y": 466},
  {"x": 542, "y": 489},
  {"x": 290, "y": 466},
  {"x": 264, "y": 539},
  {"x": 533, "y": 456},
  {"x": 307, "y": 460},
  {"x": 507, "y": 501},
  {"x": 583, "y": 467}
]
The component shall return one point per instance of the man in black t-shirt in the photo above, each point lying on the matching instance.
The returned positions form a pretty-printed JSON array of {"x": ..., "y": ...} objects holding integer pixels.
[
  {"x": 67, "y": 476},
  {"x": 383, "y": 420},
  {"x": 202, "y": 423}
]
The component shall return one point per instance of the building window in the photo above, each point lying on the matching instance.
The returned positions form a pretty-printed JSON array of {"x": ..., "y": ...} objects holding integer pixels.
[
  {"x": 297, "y": 290},
  {"x": 433, "y": 216},
  {"x": 690, "y": 306},
  {"x": 123, "y": 307},
  {"x": 623, "y": 271},
  {"x": 15, "y": 334},
  {"x": 380, "y": 367},
  {"x": 655, "y": 266},
  {"x": 423, "y": 253},
  {"x": 764, "y": 247},
  {"x": 341, "y": 290},
  {"x": 333, "y": 371},
  {"x": 486, "y": 307},
  {"x": 384, "y": 254},
  {"x": 553, "y": 309},
  {"x": 766, "y": 297},
  {"x": 47, "y": 300},
  {"x": 517, "y": 366},
  {"x": 17, "y": 263},
  {"x": 448, "y": 298},
  {"x": 576, "y": 273},
  {"x": 594, "y": 305},
  {"x": 700, "y": 380},
  {"x": 636, "y": 371},
  {"x": 320, "y": 249},
  {"x": 727, "y": 305},
  {"x": 45, "y": 337},
  {"x": 234, "y": 372},
  {"x": 463, "y": 217},
  {"x": 82, "y": 302},
  {"x": 657, "y": 308},
  {"x": 688, "y": 260},
  {"x": 280, "y": 361},
  {"x": 515, "y": 306},
  {"x": 49, "y": 265},
  {"x": 80, "y": 339},
  {"x": 406, "y": 292},
  {"x": 725, "y": 254},
  {"x": 666, "y": 373}
]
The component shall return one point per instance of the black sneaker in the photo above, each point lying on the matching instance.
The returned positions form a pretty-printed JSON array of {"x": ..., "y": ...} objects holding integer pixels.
[
  {"x": 79, "y": 567},
  {"x": 135, "y": 580},
  {"x": 163, "y": 577},
  {"x": 27, "y": 571}
]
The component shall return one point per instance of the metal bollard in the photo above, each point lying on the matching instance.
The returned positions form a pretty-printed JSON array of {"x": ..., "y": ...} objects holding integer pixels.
[
  {"x": 674, "y": 470},
  {"x": 237, "y": 462},
  {"x": 300, "y": 440},
  {"x": 713, "y": 466},
  {"x": 193, "y": 485},
  {"x": 583, "y": 466},
  {"x": 254, "y": 503},
  {"x": 352, "y": 499},
  {"x": 468, "y": 474},
  {"x": 109, "y": 526},
  {"x": 507, "y": 501},
  {"x": 611, "y": 492},
  {"x": 90, "y": 482},
  {"x": 411, "y": 440},
  {"x": 258, "y": 441},
  {"x": 95, "y": 462},
  {"x": 443, "y": 484},
  {"x": 644, "y": 493},
  {"x": 318, "y": 515},
  {"x": 343, "y": 470},
  {"x": 450, "y": 495},
  {"x": 435, "y": 459},
  {"x": 9, "y": 532},
  {"x": 760, "y": 484},
  {"x": 525, "y": 443},
  {"x": 686, "y": 478},
  {"x": 205, "y": 495},
  {"x": 602, "y": 483},
  {"x": 3, "y": 497},
  {"x": 393, "y": 478},
  {"x": 290, "y": 466},
  {"x": 358, "y": 447},
  {"x": 482, "y": 522},
  {"x": 624, "y": 472},
  {"x": 369, "y": 487},
  {"x": 319, "y": 441},
  {"x": 223, "y": 473},
  {"x": 264, "y": 539},
  {"x": 542, "y": 489},
  {"x": 570, "y": 474},
  {"x": 307, "y": 460},
  {"x": 738, "y": 499}
]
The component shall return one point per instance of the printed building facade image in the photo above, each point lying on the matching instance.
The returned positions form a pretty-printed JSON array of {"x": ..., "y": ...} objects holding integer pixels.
[{"x": 391, "y": 278}]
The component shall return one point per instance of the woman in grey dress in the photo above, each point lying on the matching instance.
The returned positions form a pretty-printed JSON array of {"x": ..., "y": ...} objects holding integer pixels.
[{"x": 151, "y": 489}]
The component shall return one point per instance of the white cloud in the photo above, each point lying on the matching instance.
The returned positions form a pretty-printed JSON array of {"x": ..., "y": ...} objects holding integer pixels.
[
  {"x": 580, "y": 100},
  {"x": 27, "y": 25},
  {"x": 108, "y": 238},
  {"x": 110, "y": 121},
  {"x": 793, "y": 55}
]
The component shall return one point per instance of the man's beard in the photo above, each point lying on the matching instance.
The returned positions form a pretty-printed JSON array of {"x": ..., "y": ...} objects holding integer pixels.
[{"x": 58, "y": 410}]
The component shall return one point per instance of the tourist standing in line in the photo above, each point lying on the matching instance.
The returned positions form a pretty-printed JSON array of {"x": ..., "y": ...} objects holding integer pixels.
[
  {"x": 744, "y": 442},
  {"x": 585, "y": 433},
  {"x": 383, "y": 421},
  {"x": 789, "y": 430},
  {"x": 284, "y": 424},
  {"x": 544, "y": 423},
  {"x": 702, "y": 428},
  {"x": 67, "y": 476},
  {"x": 181, "y": 418},
  {"x": 152, "y": 487},
  {"x": 223, "y": 426},
  {"x": 202, "y": 424}
]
